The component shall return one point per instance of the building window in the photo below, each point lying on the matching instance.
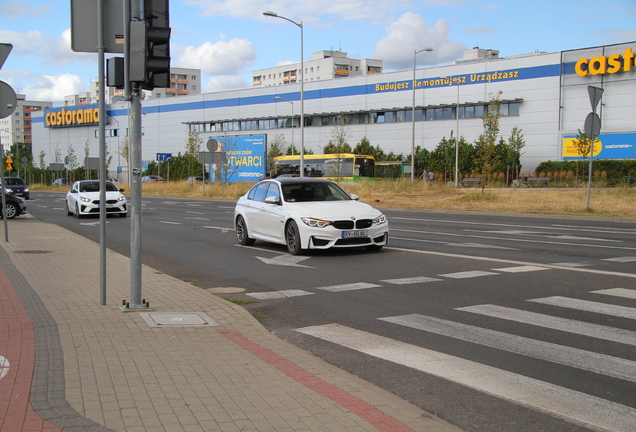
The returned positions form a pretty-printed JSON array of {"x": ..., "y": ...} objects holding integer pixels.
[
  {"x": 317, "y": 68},
  {"x": 193, "y": 77}
]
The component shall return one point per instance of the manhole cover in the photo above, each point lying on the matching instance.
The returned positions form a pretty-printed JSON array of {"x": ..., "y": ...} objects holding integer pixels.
[
  {"x": 33, "y": 252},
  {"x": 177, "y": 319}
]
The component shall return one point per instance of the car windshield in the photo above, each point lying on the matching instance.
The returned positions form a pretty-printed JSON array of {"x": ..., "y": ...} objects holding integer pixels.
[
  {"x": 319, "y": 191},
  {"x": 93, "y": 186},
  {"x": 14, "y": 181}
]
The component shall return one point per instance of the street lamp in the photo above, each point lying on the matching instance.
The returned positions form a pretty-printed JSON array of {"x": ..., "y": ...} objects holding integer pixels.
[
  {"x": 292, "y": 122},
  {"x": 302, "y": 90},
  {"x": 456, "y": 133},
  {"x": 415, "y": 53}
]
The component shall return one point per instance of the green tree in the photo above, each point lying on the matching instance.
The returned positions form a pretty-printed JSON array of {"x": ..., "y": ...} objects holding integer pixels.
[
  {"x": 340, "y": 136},
  {"x": 364, "y": 147},
  {"x": 487, "y": 142},
  {"x": 515, "y": 144},
  {"x": 277, "y": 147}
]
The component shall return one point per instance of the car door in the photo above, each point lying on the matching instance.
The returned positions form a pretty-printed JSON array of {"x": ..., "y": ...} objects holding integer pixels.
[{"x": 272, "y": 213}]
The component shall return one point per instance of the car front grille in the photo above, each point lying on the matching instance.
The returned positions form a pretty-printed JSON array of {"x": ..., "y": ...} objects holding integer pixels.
[{"x": 349, "y": 224}]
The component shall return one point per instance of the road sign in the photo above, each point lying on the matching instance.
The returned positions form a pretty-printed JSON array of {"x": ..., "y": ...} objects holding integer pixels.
[
  {"x": 164, "y": 157},
  {"x": 5, "y": 49},
  {"x": 592, "y": 125},
  {"x": 84, "y": 26},
  {"x": 8, "y": 100},
  {"x": 595, "y": 95}
]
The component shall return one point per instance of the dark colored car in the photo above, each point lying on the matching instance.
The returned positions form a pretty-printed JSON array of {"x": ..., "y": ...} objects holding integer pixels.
[
  {"x": 17, "y": 186},
  {"x": 15, "y": 206},
  {"x": 61, "y": 182}
]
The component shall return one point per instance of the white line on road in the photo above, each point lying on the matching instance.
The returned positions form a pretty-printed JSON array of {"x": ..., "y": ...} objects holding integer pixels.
[
  {"x": 568, "y": 404},
  {"x": 573, "y": 357},
  {"x": 279, "y": 294},
  {"x": 467, "y": 274},
  {"x": 556, "y": 323},
  {"x": 507, "y": 261},
  {"x": 618, "y": 292},
  {"x": 588, "y": 306},
  {"x": 348, "y": 287},
  {"x": 411, "y": 280}
]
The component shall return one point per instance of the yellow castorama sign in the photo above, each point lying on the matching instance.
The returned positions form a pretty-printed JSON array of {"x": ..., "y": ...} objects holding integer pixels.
[
  {"x": 71, "y": 116},
  {"x": 606, "y": 64}
]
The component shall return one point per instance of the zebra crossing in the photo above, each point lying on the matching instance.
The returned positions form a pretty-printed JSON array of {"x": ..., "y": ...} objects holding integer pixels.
[{"x": 571, "y": 405}]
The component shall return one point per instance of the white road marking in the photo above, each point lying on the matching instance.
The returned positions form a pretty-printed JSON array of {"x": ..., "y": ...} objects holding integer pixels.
[
  {"x": 285, "y": 260},
  {"x": 171, "y": 223},
  {"x": 411, "y": 280},
  {"x": 509, "y": 261},
  {"x": 588, "y": 306},
  {"x": 348, "y": 287},
  {"x": 556, "y": 323},
  {"x": 467, "y": 274},
  {"x": 568, "y": 404},
  {"x": 219, "y": 228},
  {"x": 570, "y": 264},
  {"x": 520, "y": 269},
  {"x": 618, "y": 292},
  {"x": 279, "y": 294},
  {"x": 621, "y": 259},
  {"x": 573, "y": 357}
]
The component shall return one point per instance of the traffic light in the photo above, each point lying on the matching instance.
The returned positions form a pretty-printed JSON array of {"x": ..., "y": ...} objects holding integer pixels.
[{"x": 150, "y": 46}]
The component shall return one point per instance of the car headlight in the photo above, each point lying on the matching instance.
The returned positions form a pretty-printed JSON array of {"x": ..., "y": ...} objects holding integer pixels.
[
  {"x": 379, "y": 220},
  {"x": 121, "y": 198},
  {"x": 9, "y": 190},
  {"x": 84, "y": 199},
  {"x": 315, "y": 223}
]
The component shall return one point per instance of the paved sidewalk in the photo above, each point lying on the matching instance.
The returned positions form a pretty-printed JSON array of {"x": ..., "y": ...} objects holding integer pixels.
[{"x": 195, "y": 362}]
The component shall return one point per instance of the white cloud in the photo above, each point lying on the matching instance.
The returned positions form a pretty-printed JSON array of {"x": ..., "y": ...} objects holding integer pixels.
[
  {"x": 411, "y": 33},
  {"x": 220, "y": 58},
  {"x": 56, "y": 51},
  {"x": 224, "y": 82},
  {"x": 54, "y": 88}
]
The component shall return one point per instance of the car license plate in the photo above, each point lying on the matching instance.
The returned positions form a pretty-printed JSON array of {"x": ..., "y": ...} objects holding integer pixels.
[{"x": 355, "y": 233}]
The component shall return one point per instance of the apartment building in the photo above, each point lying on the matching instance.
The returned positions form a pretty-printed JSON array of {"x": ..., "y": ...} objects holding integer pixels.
[
  {"x": 17, "y": 126},
  {"x": 324, "y": 65}
]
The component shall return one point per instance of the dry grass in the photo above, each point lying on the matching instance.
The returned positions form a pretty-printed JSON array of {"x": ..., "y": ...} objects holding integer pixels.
[{"x": 605, "y": 202}]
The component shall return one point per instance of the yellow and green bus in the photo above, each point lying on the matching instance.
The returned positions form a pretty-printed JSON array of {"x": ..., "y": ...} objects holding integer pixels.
[{"x": 339, "y": 167}]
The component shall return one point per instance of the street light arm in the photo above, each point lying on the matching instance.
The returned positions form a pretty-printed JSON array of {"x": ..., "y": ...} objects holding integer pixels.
[{"x": 275, "y": 15}]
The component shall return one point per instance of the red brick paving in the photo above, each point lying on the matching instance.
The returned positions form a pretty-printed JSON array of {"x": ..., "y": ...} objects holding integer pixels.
[
  {"x": 18, "y": 347},
  {"x": 362, "y": 409}
]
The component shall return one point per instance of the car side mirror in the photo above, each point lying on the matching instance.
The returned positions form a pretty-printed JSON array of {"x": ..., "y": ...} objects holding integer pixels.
[
  {"x": 272, "y": 200},
  {"x": 354, "y": 197},
  {"x": 73, "y": 191},
  {"x": 122, "y": 190}
]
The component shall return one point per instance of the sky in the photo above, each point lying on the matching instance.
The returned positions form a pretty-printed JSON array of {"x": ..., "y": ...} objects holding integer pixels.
[{"x": 228, "y": 39}]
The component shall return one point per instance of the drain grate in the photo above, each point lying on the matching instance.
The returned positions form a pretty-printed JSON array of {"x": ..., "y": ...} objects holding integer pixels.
[{"x": 32, "y": 252}]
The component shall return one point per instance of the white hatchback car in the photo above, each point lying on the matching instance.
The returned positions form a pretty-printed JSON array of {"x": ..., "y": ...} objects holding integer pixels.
[
  {"x": 308, "y": 213},
  {"x": 83, "y": 199}
]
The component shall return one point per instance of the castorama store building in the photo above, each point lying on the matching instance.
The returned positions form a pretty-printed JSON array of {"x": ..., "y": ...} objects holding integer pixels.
[{"x": 544, "y": 94}]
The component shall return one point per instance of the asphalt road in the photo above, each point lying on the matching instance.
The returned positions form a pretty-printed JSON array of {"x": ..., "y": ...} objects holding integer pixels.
[{"x": 492, "y": 322}]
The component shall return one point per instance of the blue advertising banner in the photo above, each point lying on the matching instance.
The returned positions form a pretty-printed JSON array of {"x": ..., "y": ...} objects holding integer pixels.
[
  {"x": 606, "y": 146},
  {"x": 245, "y": 158}
]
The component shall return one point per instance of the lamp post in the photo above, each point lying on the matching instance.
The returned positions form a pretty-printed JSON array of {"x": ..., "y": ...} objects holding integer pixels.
[
  {"x": 292, "y": 122},
  {"x": 415, "y": 53},
  {"x": 302, "y": 90}
]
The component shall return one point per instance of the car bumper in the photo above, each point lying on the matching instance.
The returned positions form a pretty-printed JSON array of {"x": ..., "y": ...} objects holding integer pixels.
[
  {"x": 326, "y": 238},
  {"x": 88, "y": 209}
]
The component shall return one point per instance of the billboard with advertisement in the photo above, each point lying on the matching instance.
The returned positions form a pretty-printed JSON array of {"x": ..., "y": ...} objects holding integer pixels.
[
  {"x": 245, "y": 158},
  {"x": 606, "y": 146}
]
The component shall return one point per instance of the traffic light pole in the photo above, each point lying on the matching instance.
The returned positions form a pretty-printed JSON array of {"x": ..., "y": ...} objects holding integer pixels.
[
  {"x": 102, "y": 152},
  {"x": 134, "y": 156}
]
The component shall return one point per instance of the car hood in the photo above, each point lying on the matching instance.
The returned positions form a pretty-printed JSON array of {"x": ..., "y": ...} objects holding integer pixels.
[
  {"x": 334, "y": 210},
  {"x": 95, "y": 195}
]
